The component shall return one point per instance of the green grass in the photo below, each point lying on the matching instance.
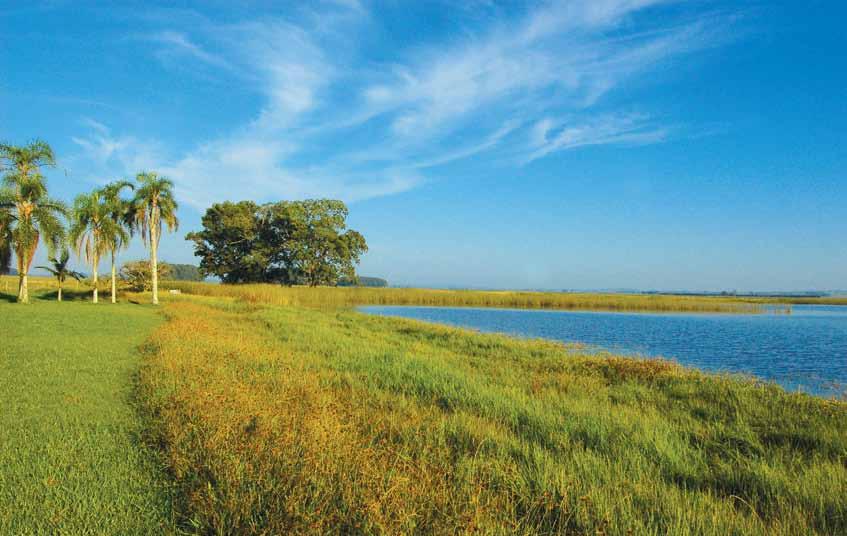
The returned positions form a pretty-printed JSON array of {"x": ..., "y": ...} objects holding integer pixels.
[
  {"x": 70, "y": 437},
  {"x": 293, "y": 420},
  {"x": 243, "y": 416}
]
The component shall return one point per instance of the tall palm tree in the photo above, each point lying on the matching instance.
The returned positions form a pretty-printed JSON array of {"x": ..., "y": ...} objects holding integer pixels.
[
  {"x": 154, "y": 204},
  {"x": 61, "y": 271},
  {"x": 119, "y": 214},
  {"x": 91, "y": 229},
  {"x": 30, "y": 215}
]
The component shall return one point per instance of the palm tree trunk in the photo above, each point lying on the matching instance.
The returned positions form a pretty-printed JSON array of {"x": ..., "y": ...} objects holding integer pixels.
[
  {"x": 114, "y": 275},
  {"x": 23, "y": 284},
  {"x": 23, "y": 290},
  {"x": 94, "y": 275},
  {"x": 60, "y": 292},
  {"x": 154, "y": 261}
]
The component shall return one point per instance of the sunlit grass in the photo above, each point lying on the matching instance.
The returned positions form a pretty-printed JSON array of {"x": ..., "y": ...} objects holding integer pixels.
[
  {"x": 73, "y": 461},
  {"x": 352, "y": 296},
  {"x": 295, "y": 420}
]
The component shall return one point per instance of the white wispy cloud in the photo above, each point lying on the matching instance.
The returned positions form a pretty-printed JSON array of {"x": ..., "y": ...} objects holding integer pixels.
[
  {"x": 176, "y": 45},
  {"x": 336, "y": 123},
  {"x": 106, "y": 157},
  {"x": 549, "y": 136}
]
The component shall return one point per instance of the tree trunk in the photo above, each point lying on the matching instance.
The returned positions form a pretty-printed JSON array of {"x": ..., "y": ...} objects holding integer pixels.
[
  {"x": 114, "y": 276},
  {"x": 154, "y": 261},
  {"x": 94, "y": 275},
  {"x": 23, "y": 284},
  {"x": 23, "y": 289},
  {"x": 60, "y": 292}
]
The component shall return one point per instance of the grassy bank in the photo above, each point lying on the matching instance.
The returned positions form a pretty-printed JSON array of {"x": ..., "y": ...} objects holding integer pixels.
[
  {"x": 72, "y": 462},
  {"x": 285, "y": 419},
  {"x": 351, "y": 296}
]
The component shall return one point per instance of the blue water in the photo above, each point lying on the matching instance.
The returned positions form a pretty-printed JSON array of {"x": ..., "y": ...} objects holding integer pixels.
[{"x": 806, "y": 350}]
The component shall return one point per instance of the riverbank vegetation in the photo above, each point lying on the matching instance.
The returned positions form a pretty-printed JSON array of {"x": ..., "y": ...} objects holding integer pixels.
[
  {"x": 353, "y": 296},
  {"x": 286, "y": 419}
]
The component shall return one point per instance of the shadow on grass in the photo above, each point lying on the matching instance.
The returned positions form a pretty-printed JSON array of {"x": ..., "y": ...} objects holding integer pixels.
[{"x": 72, "y": 296}]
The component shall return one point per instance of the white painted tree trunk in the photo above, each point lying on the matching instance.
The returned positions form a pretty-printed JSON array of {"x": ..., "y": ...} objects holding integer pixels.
[
  {"x": 60, "y": 292},
  {"x": 96, "y": 263},
  {"x": 114, "y": 278},
  {"x": 23, "y": 289},
  {"x": 154, "y": 261},
  {"x": 23, "y": 283}
]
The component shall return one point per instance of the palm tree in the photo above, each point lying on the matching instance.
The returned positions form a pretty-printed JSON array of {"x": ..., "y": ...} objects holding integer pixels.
[
  {"x": 119, "y": 214},
  {"x": 29, "y": 214},
  {"x": 91, "y": 230},
  {"x": 154, "y": 203},
  {"x": 61, "y": 271}
]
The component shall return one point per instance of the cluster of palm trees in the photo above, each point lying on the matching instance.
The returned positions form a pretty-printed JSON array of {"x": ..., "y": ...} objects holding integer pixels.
[{"x": 100, "y": 222}]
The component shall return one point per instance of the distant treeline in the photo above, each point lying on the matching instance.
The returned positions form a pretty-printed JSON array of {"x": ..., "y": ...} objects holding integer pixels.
[
  {"x": 362, "y": 281},
  {"x": 184, "y": 272}
]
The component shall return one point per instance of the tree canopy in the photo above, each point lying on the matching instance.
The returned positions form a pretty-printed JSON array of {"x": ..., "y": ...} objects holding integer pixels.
[
  {"x": 289, "y": 242},
  {"x": 184, "y": 272}
]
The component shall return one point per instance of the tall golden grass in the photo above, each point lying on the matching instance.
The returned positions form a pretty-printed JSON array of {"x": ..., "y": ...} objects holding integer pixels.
[
  {"x": 353, "y": 296},
  {"x": 285, "y": 420}
]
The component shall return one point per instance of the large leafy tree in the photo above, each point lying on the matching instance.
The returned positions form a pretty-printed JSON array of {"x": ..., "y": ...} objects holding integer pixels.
[
  {"x": 325, "y": 250},
  {"x": 119, "y": 211},
  {"x": 61, "y": 271},
  {"x": 290, "y": 242},
  {"x": 154, "y": 205},
  {"x": 229, "y": 244},
  {"x": 29, "y": 215},
  {"x": 92, "y": 231}
]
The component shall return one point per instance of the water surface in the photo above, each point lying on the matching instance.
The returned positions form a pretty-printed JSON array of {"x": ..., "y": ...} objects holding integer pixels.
[{"x": 805, "y": 350}]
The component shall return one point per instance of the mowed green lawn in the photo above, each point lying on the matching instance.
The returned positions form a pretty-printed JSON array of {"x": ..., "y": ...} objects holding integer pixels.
[{"x": 70, "y": 437}]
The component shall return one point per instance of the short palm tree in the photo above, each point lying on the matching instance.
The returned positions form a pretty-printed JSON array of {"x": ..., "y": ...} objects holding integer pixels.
[
  {"x": 30, "y": 215},
  {"x": 119, "y": 214},
  {"x": 92, "y": 230},
  {"x": 61, "y": 271},
  {"x": 153, "y": 205}
]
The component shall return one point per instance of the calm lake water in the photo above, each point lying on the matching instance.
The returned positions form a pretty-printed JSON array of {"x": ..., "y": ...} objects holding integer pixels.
[{"x": 806, "y": 350}]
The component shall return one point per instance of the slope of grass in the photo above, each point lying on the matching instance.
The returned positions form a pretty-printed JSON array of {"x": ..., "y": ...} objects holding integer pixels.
[
  {"x": 72, "y": 460},
  {"x": 289, "y": 420},
  {"x": 352, "y": 296}
]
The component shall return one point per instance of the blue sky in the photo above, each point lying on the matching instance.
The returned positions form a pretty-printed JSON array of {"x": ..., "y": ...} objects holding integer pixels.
[{"x": 578, "y": 144}]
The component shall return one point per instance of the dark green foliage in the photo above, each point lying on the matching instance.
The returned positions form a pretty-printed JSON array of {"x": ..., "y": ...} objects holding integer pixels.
[
  {"x": 289, "y": 242},
  {"x": 6, "y": 240},
  {"x": 362, "y": 281},
  {"x": 184, "y": 272}
]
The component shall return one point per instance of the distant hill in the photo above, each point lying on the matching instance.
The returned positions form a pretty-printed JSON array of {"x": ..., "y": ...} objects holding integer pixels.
[{"x": 363, "y": 282}]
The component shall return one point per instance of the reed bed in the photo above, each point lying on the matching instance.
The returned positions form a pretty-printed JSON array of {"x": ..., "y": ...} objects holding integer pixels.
[
  {"x": 355, "y": 296},
  {"x": 286, "y": 420}
]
